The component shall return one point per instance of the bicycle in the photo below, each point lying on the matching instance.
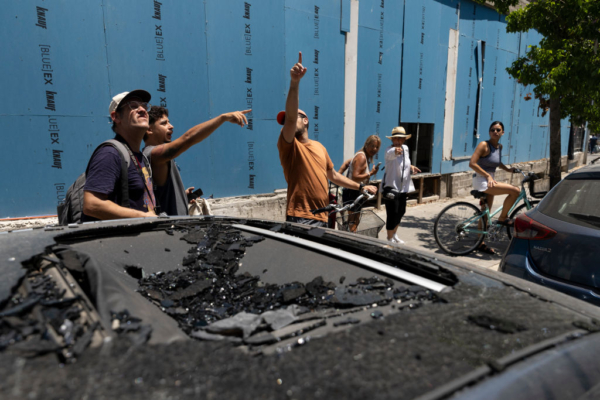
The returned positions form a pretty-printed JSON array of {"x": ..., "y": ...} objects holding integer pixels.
[
  {"x": 370, "y": 223},
  {"x": 461, "y": 227}
]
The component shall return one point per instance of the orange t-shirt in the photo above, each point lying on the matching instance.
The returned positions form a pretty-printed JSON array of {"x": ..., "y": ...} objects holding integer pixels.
[{"x": 305, "y": 167}]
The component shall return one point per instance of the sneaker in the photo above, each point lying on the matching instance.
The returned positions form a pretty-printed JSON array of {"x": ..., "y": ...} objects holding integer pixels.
[
  {"x": 397, "y": 239},
  {"x": 392, "y": 240}
]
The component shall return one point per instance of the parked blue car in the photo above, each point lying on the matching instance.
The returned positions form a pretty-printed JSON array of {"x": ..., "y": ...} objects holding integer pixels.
[{"x": 556, "y": 244}]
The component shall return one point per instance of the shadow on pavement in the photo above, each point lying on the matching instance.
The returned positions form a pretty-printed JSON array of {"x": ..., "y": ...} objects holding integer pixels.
[{"x": 418, "y": 232}]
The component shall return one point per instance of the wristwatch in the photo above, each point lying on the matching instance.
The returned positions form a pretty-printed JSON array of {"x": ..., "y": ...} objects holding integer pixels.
[{"x": 360, "y": 188}]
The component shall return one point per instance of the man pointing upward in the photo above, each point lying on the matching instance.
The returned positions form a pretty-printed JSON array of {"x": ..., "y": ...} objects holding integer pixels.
[{"x": 306, "y": 163}]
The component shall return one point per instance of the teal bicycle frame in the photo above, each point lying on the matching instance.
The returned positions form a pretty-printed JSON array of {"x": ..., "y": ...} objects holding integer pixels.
[{"x": 486, "y": 212}]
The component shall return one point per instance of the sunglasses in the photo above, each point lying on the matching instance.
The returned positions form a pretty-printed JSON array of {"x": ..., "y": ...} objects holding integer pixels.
[
  {"x": 302, "y": 115},
  {"x": 496, "y": 130},
  {"x": 134, "y": 105}
]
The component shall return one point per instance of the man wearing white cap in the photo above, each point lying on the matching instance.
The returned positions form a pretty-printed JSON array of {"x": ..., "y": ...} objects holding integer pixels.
[
  {"x": 306, "y": 163},
  {"x": 103, "y": 197},
  {"x": 397, "y": 182}
]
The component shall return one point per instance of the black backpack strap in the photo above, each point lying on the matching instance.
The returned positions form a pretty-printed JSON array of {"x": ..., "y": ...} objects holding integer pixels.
[{"x": 125, "y": 160}]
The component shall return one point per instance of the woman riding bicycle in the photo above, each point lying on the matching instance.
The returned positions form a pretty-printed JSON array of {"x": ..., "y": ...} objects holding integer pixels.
[
  {"x": 485, "y": 160},
  {"x": 359, "y": 171}
]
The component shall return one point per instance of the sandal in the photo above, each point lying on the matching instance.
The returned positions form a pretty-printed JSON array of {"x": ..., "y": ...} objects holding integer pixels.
[
  {"x": 485, "y": 249},
  {"x": 507, "y": 222}
]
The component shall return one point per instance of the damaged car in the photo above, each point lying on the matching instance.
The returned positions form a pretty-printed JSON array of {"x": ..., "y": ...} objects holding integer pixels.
[{"x": 221, "y": 307}]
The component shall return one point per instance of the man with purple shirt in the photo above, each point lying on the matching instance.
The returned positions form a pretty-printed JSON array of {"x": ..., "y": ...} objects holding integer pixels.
[{"x": 102, "y": 190}]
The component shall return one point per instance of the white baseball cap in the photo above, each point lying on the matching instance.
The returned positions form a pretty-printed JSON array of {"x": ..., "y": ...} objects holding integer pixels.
[{"x": 140, "y": 93}]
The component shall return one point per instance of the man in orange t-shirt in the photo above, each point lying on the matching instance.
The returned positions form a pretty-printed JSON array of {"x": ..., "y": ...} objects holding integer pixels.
[{"x": 306, "y": 164}]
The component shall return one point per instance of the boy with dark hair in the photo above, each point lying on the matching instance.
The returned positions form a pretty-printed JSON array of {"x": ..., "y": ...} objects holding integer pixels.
[{"x": 161, "y": 150}]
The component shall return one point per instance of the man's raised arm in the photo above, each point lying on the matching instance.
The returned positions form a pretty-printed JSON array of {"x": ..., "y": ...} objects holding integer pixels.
[
  {"x": 168, "y": 151},
  {"x": 291, "y": 104}
]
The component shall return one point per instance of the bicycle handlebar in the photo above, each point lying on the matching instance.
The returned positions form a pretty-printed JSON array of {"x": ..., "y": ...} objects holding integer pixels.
[
  {"x": 526, "y": 175},
  {"x": 334, "y": 208},
  {"x": 323, "y": 209}
]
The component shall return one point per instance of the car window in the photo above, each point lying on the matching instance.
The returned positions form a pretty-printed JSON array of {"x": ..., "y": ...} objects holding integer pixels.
[{"x": 574, "y": 201}]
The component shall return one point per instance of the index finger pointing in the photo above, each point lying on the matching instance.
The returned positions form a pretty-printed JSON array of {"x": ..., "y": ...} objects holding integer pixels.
[
  {"x": 300, "y": 57},
  {"x": 246, "y": 111}
]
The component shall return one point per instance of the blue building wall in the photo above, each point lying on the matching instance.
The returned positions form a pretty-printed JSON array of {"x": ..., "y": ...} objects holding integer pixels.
[{"x": 63, "y": 60}]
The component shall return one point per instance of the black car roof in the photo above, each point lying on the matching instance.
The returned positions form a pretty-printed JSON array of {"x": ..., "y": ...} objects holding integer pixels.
[{"x": 591, "y": 171}]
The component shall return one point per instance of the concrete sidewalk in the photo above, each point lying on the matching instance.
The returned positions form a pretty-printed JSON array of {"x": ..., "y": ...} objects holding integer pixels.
[{"x": 416, "y": 229}]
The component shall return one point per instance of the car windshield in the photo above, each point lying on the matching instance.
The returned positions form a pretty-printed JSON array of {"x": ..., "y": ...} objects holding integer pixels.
[{"x": 574, "y": 201}]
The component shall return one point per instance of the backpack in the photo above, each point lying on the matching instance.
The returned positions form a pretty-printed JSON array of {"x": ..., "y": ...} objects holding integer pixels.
[{"x": 70, "y": 210}]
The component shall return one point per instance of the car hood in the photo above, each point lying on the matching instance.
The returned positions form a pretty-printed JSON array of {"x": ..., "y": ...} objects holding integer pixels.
[{"x": 381, "y": 321}]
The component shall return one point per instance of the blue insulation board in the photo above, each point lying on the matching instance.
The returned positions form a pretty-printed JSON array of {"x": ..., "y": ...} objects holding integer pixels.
[
  {"x": 426, "y": 35},
  {"x": 248, "y": 75},
  {"x": 64, "y": 60},
  {"x": 53, "y": 113},
  {"x": 313, "y": 27},
  {"x": 448, "y": 12},
  {"x": 345, "y": 16},
  {"x": 170, "y": 62},
  {"x": 499, "y": 98},
  {"x": 379, "y": 69}
]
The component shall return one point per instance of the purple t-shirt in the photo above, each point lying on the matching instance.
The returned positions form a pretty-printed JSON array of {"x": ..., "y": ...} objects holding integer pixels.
[{"x": 103, "y": 175}]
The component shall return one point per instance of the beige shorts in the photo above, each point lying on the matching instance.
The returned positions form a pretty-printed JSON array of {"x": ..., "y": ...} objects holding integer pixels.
[{"x": 480, "y": 182}]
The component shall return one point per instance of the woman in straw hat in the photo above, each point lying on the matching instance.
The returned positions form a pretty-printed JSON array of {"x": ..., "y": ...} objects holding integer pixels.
[{"x": 397, "y": 182}]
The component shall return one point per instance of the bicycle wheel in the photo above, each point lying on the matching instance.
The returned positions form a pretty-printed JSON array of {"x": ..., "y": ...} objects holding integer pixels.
[
  {"x": 449, "y": 229},
  {"x": 518, "y": 211}
]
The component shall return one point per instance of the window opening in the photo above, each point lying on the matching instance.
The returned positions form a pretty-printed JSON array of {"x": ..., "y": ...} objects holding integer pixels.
[{"x": 420, "y": 145}]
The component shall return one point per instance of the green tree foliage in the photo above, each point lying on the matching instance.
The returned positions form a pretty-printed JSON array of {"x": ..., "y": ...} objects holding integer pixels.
[{"x": 564, "y": 66}]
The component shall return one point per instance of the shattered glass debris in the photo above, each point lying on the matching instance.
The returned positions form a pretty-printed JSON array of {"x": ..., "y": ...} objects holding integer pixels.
[
  {"x": 44, "y": 317},
  {"x": 43, "y": 321},
  {"x": 209, "y": 299},
  {"x": 124, "y": 323}
]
